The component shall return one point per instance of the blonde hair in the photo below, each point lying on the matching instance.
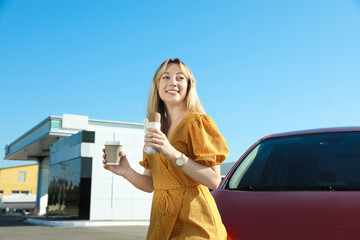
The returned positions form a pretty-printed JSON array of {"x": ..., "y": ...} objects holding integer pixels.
[{"x": 155, "y": 103}]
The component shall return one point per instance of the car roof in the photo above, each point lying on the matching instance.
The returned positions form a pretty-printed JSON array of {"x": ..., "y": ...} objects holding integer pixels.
[{"x": 315, "y": 131}]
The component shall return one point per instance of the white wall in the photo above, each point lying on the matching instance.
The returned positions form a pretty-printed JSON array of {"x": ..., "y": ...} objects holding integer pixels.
[
  {"x": 43, "y": 181},
  {"x": 112, "y": 197}
]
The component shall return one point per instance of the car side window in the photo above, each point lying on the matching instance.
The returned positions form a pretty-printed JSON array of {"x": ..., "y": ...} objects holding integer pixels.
[{"x": 307, "y": 162}]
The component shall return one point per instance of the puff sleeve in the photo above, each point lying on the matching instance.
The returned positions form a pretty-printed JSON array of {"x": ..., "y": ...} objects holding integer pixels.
[
  {"x": 206, "y": 144},
  {"x": 145, "y": 163}
]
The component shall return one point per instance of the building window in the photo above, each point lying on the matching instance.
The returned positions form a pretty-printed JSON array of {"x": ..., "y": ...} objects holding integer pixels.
[
  {"x": 1, "y": 192},
  {"x": 22, "y": 176},
  {"x": 19, "y": 192}
]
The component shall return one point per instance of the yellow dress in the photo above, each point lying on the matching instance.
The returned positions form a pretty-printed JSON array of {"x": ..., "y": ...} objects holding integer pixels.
[{"x": 181, "y": 207}]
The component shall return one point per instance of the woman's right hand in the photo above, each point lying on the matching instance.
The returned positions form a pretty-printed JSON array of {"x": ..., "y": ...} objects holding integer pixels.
[{"x": 120, "y": 169}]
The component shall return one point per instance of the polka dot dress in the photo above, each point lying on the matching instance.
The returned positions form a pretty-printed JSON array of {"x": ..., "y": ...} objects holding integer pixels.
[{"x": 181, "y": 207}]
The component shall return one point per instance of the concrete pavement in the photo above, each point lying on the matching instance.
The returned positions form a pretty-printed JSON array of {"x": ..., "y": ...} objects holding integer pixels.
[
  {"x": 17, "y": 228},
  {"x": 83, "y": 223}
]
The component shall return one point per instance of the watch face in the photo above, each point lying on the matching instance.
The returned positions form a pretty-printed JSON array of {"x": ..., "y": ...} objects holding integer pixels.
[{"x": 180, "y": 161}]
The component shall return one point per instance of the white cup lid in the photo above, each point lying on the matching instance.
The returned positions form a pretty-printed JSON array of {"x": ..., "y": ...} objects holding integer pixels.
[{"x": 113, "y": 143}]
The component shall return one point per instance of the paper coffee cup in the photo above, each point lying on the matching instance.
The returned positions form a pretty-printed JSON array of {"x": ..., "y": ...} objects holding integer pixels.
[{"x": 112, "y": 151}]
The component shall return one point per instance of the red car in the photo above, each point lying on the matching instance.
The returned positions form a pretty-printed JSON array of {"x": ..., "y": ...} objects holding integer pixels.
[{"x": 297, "y": 185}]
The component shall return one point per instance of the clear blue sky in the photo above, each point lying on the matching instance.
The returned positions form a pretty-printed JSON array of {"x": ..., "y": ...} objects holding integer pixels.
[{"x": 262, "y": 66}]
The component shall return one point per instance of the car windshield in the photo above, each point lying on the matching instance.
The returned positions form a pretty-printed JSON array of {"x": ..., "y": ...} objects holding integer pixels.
[{"x": 323, "y": 162}]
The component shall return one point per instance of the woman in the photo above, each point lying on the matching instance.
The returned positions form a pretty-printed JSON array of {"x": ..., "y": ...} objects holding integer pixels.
[{"x": 191, "y": 150}]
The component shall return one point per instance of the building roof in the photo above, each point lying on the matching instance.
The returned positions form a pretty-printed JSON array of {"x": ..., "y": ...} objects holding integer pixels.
[
  {"x": 19, "y": 166},
  {"x": 36, "y": 142}
]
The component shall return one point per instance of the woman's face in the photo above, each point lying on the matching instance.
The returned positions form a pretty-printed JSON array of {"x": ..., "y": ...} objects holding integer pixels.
[{"x": 173, "y": 86}]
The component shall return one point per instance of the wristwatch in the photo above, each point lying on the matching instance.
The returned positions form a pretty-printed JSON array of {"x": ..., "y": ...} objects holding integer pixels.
[{"x": 180, "y": 161}]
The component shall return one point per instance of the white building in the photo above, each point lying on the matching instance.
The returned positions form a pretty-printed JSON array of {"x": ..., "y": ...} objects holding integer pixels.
[{"x": 72, "y": 180}]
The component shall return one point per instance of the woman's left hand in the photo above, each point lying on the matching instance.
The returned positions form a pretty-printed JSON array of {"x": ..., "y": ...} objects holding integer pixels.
[{"x": 158, "y": 140}]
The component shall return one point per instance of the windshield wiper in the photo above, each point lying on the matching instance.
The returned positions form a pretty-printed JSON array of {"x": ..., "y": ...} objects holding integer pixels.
[
  {"x": 250, "y": 188},
  {"x": 302, "y": 188},
  {"x": 339, "y": 188}
]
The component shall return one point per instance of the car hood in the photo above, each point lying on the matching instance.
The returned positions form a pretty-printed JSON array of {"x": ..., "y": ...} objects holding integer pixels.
[{"x": 290, "y": 215}]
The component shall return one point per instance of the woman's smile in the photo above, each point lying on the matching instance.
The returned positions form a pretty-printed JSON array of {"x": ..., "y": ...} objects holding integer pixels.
[{"x": 172, "y": 92}]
